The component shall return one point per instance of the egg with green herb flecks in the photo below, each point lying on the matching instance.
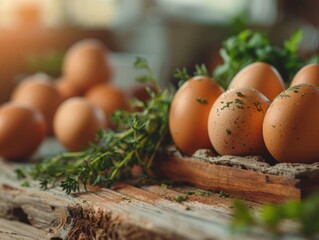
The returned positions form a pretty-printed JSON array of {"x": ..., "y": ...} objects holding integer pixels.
[
  {"x": 189, "y": 113},
  {"x": 260, "y": 76},
  {"x": 290, "y": 128},
  {"x": 235, "y": 122}
]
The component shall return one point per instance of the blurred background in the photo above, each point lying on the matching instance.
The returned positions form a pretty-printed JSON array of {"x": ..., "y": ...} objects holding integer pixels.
[{"x": 35, "y": 34}]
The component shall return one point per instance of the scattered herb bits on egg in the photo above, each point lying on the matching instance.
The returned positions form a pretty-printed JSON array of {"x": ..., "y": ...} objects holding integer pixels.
[
  {"x": 235, "y": 122},
  {"x": 22, "y": 129},
  {"x": 260, "y": 76},
  {"x": 189, "y": 113},
  {"x": 290, "y": 128},
  {"x": 76, "y": 123}
]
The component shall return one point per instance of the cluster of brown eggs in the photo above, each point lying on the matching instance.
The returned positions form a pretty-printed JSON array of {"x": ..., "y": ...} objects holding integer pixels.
[
  {"x": 255, "y": 116},
  {"x": 71, "y": 108}
]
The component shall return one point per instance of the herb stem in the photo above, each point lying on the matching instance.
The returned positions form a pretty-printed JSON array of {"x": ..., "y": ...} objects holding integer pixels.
[{"x": 135, "y": 142}]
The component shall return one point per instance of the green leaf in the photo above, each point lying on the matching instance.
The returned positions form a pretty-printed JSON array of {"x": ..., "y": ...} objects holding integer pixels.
[
  {"x": 141, "y": 63},
  {"x": 305, "y": 213},
  {"x": 271, "y": 216},
  {"x": 242, "y": 219},
  {"x": 248, "y": 47},
  {"x": 201, "y": 70},
  {"x": 292, "y": 44},
  {"x": 182, "y": 76},
  {"x": 292, "y": 209},
  {"x": 309, "y": 215},
  {"x": 25, "y": 184},
  {"x": 142, "y": 79},
  {"x": 20, "y": 173},
  {"x": 180, "y": 198}
]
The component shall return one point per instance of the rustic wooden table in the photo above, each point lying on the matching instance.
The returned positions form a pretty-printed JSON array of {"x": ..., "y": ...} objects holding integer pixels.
[{"x": 126, "y": 211}]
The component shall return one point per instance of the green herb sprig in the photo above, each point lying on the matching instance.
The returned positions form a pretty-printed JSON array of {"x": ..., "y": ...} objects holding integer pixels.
[
  {"x": 271, "y": 217},
  {"x": 136, "y": 142},
  {"x": 248, "y": 46},
  {"x": 183, "y": 76}
]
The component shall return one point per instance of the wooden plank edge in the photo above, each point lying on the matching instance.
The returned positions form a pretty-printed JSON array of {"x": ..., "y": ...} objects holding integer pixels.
[{"x": 247, "y": 184}]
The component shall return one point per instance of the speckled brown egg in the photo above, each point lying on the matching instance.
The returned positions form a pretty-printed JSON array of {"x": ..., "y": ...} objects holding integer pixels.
[
  {"x": 291, "y": 129},
  {"x": 86, "y": 64},
  {"x": 308, "y": 74},
  {"x": 235, "y": 122},
  {"x": 22, "y": 129},
  {"x": 76, "y": 122},
  {"x": 260, "y": 76},
  {"x": 189, "y": 114},
  {"x": 39, "y": 92}
]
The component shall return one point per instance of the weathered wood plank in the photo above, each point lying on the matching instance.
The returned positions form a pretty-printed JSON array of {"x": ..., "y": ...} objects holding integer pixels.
[
  {"x": 244, "y": 183},
  {"x": 14, "y": 230},
  {"x": 123, "y": 213},
  {"x": 145, "y": 212},
  {"x": 247, "y": 177}
]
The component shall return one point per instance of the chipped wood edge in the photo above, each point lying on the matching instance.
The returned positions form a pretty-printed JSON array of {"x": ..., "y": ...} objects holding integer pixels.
[{"x": 245, "y": 183}]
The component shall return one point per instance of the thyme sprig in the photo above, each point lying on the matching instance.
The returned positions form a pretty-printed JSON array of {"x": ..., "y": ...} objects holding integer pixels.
[
  {"x": 183, "y": 76},
  {"x": 136, "y": 142}
]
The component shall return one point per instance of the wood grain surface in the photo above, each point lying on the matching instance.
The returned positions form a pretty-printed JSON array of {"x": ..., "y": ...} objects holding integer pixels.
[
  {"x": 123, "y": 212},
  {"x": 20, "y": 231},
  {"x": 127, "y": 211}
]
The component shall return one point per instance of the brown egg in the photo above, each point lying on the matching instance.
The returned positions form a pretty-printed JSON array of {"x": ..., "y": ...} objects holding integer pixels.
[
  {"x": 22, "y": 129},
  {"x": 291, "y": 129},
  {"x": 308, "y": 74},
  {"x": 189, "y": 113},
  {"x": 76, "y": 122},
  {"x": 235, "y": 122},
  {"x": 260, "y": 76},
  {"x": 39, "y": 92},
  {"x": 86, "y": 64},
  {"x": 67, "y": 89},
  {"x": 109, "y": 98}
]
